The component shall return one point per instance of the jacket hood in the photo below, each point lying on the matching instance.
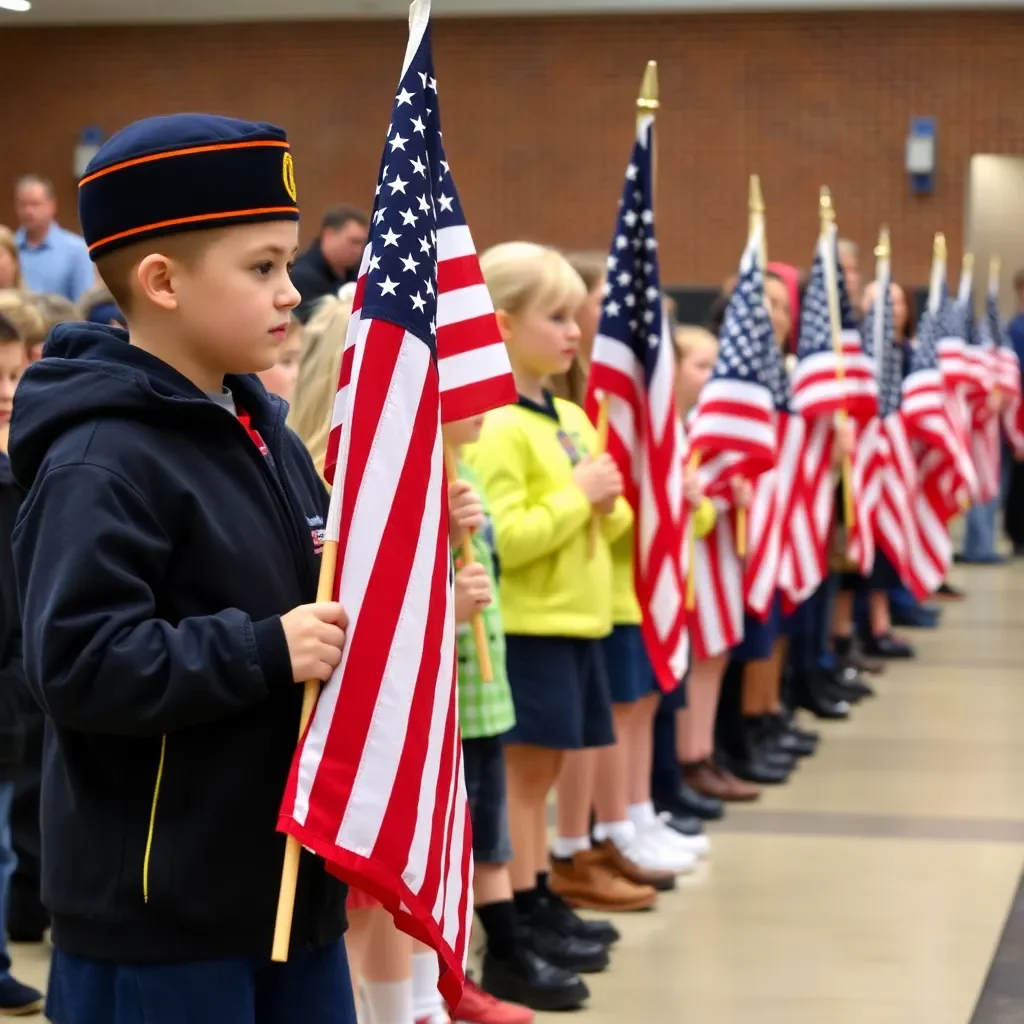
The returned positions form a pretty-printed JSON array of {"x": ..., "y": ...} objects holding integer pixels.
[{"x": 90, "y": 372}]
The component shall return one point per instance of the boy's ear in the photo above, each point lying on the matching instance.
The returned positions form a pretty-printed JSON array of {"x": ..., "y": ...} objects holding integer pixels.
[
  {"x": 504, "y": 324},
  {"x": 155, "y": 275}
]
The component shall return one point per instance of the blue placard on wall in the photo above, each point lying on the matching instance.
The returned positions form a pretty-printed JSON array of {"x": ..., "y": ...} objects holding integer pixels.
[{"x": 921, "y": 155}]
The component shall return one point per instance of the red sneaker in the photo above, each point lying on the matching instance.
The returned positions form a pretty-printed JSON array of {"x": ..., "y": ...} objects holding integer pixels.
[{"x": 477, "y": 1007}]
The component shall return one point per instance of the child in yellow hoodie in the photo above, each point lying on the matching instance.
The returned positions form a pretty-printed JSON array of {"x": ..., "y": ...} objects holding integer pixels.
[{"x": 535, "y": 463}]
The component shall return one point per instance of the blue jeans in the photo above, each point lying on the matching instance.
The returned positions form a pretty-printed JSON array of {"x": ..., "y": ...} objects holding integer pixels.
[
  {"x": 980, "y": 534},
  {"x": 8, "y": 862},
  {"x": 314, "y": 988}
]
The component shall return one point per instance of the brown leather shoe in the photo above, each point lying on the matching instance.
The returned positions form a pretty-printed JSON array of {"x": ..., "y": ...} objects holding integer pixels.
[
  {"x": 588, "y": 881},
  {"x": 660, "y": 881},
  {"x": 712, "y": 779}
]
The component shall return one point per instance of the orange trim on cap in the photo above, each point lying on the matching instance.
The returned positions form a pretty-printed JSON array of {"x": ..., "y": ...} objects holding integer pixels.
[
  {"x": 191, "y": 220},
  {"x": 180, "y": 152}
]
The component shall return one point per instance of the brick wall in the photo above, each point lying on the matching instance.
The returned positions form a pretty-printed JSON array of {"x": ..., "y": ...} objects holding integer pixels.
[{"x": 538, "y": 116}]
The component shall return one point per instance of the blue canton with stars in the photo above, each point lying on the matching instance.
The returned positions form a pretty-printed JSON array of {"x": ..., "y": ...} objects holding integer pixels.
[
  {"x": 990, "y": 327},
  {"x": 747, "y": 337},
  {"x": 847, "y": 315},
  {"x": 632, "y": 309},
  {"x": 416, "y": 197},
  {"x": 890, "y": 360},
  {"x": 925, "y": 354},
  {"x": 815, "y": 326}
]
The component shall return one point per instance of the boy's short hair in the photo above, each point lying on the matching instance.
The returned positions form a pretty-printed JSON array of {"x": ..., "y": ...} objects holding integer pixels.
[
  {"x": 116, "y": 268},
  {"x": 18, "y": 307},
  {"x": 8, "y": 332},
  {"x": 54, "y": 309}
]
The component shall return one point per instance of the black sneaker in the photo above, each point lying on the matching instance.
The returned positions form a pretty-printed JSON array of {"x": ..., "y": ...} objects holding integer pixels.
[
  {"x": 558, "y": 916},
  {"x": 582, "y": 956},
  {"x": 529, "y": 980},
  {"x": 17, "y": 1000}
]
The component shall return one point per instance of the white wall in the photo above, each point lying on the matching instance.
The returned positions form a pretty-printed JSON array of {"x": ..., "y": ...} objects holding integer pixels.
[{"x": 995, "y": 221}]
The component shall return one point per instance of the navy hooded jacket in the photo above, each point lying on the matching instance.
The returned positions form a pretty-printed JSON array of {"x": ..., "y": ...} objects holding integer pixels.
[{"x": 155, "y": 553}]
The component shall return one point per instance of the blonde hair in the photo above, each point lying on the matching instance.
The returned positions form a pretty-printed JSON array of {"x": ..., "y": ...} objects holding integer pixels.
[
  {"x": 26, "y": 316},
  {"x": 323, "y": 342},
  {"x": 686, "y": 339},
  {"x": 54, "y": 309},
  {"x": 523, "y": 275},
  {"x": 591, "y": 266},
  {"x": 7, "y": 242}
]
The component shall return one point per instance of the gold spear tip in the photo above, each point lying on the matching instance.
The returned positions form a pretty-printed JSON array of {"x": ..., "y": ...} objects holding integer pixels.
[
  {"x": 883, "y": 250},
  {"x": 968, "y": 262},
  {"x": 756, "y": 200},
  {"x": 825, "y": 207},
  {"x": 648, "y": 98},
  {"x": 939, "y": 248}
]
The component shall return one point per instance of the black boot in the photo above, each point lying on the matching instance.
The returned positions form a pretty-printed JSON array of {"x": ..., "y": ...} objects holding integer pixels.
[
  {"x": 686, "y": 802},
  {"x": 789, "y": 739},
  {"x": 529, "y": 980},
  {"x": 558, "y": 916},
  {"x": 762, "y": 741},
  {"x": 582, "y": 956},
  {"x": 736, "y": 747}
]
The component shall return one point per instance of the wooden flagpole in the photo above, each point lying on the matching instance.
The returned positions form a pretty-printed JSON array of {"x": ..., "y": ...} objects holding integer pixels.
[
  {"x": 828, "y": 218},
  {"x": 293, "y": 849},
  {"x": 646, "y": 106},
  {"x": 469, "y": 558}
]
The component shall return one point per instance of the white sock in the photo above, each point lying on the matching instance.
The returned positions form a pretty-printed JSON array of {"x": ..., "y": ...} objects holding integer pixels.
[
  {"x": 388, "y": 1002},
  {"x": 642, "y": 815},
  {"x": 426, "y": 1000},
  {"x": 621, "y": 833},
  {"x": 564, "y": 848}
]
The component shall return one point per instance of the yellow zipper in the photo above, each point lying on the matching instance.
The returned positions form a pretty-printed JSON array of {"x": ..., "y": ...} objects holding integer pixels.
[{"x": 152, "y": 819}]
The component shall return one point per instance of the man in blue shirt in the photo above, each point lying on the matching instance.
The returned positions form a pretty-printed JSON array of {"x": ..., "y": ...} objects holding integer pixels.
[{"x": 53, "y": 261}]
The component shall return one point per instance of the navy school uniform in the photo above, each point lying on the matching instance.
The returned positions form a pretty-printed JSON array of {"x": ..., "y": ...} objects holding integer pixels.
[{"x": 156, "y": 552}]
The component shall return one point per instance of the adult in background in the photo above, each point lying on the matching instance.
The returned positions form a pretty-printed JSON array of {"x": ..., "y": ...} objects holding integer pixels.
[
  {"x": 53, "y": 260},
  {"x": 333, "y": 259}
]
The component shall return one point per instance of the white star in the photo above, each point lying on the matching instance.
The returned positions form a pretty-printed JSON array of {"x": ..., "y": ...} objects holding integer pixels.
[
  {"x": 637, "y": 243},
  {"x": 419, "y": 167},
  {"x": 404, "y": 97},
  {"x": 425, "y": 245},
  {"x": 408, "y": 217},
  {"x": 652, "y": 340},
  {"x": 651, "y": 293},
  {"x": 649, "y": 317},
  {"x": 419, "y": 127},
  {"x": 630, "y": 218},
  {"x": 430, "y": 287},
  {"x": 374, "y": 263},
  {"x": 408, "y": 263},
  {"x": 445, "y": 202},
  {"x": 612, "y": 308},
  {"x": 620, "y": 242},
  {"x": 398, "y": 143},
  {"x": 444, "y": 168},
  {"x": 630, "y": 300},
  {"x": 398, "y": 185},
  {"x": 631, "y": 172},
  {"x": 387, "y": 286},
  {"x": 378, "y": 217},
  {"x": 424, "y": 203},
  {"x": 632, "y": 325},
  {"x": 423, "y": 78},
  {"x": 432, "y": 84},
  {"x": 377, "y": 193},
  {"x": 606, "y": 289},
  {"x": 433, "y": 327},
  {"x": 624, "y": 277},
  {"x": 419, "y": 303},
  {"x": 613, "y": 262},
  {"x": 648, "y": 217},
  {"x": 651, "y": 243},
  {"x": 391, "y": 238}
]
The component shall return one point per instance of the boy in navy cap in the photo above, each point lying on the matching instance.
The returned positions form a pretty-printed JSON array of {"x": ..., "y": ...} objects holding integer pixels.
[{"x": 166, "y": 563}]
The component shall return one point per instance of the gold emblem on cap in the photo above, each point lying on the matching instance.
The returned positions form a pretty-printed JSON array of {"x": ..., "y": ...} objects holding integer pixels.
[{"x": 288, "y": 173}]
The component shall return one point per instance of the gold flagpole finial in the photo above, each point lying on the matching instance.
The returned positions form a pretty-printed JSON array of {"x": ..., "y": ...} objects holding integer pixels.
[
  {"x": 883, "y": 250},
  {"x": 825, "y": 208},
  {"x": 756, "y": 198},
  {"x": 939, "y": 246},
  {"x": 647, "y": 101},
  {"x": 968, "y": 262}
]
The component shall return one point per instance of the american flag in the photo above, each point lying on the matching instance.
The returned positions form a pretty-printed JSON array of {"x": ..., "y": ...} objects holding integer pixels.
[
  {"x": 733, "y": 425},
  {"x": 633, "y": 366},
  {"x": 781, "y": 535},
  {"x": 827, "y": 385},
  {"x": 377, "y": 786},
  {"x": 986, "y": 439},
  {"x": 1007, "y": 365}
]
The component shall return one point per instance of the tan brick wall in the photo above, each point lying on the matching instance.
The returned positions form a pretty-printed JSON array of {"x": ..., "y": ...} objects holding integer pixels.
[{"x": 538, "y": 116}]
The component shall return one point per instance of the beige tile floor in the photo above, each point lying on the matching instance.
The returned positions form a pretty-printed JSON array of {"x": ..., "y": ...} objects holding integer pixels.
[{"x": 873, "y": 888}]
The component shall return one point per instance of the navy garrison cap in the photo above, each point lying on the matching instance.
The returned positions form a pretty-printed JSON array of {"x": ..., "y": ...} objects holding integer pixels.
[{"x": 186, "y": 172}]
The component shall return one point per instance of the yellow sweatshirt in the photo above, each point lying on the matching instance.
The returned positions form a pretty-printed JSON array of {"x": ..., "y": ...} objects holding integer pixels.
[
  {"x": 524, "y": 460},
  {"x": 625, "y": 606}
]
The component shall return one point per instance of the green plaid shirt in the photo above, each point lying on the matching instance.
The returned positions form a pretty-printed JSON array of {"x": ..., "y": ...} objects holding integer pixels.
[{"x": 485, "y": 709}]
